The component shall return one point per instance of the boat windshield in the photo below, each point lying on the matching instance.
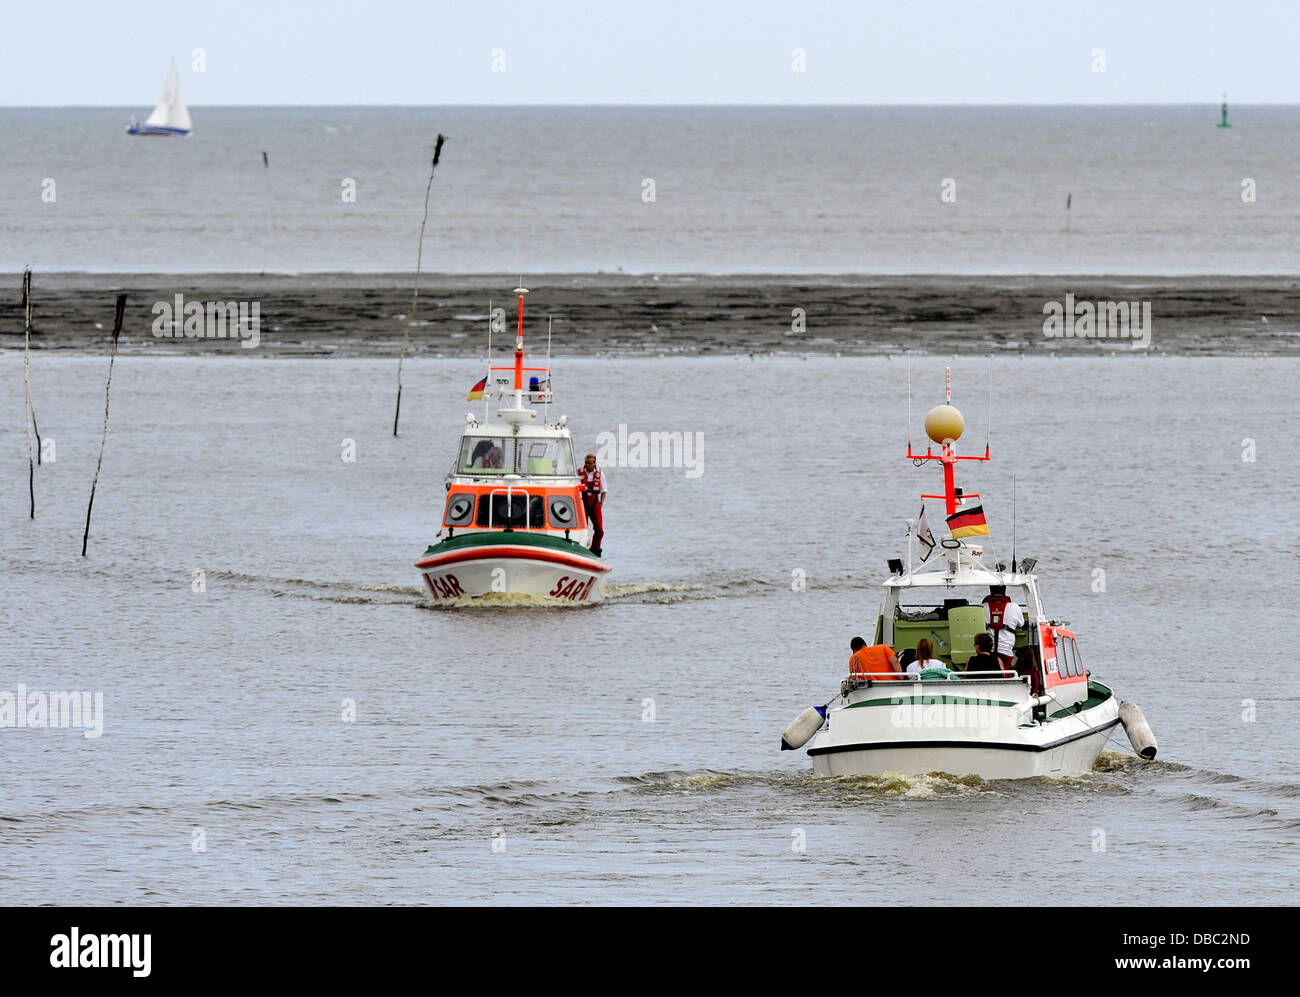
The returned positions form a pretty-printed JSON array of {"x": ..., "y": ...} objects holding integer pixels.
[
  {"x": 932, "y": 602},
  {"x": 515, "y": 455}
]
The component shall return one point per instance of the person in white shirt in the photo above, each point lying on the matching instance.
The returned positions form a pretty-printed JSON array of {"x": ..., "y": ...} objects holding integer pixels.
[
  {"x": 1004, "y": 617},
  {"x": 924, "y": 658}
]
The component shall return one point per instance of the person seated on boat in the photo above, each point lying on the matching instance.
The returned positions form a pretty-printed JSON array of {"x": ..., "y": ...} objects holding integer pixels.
[
  {"x": 481, "y": 449},
  {"x": 1026, "y": 665},
  {"x": 907, "y": 657},
  {"x": 493, "y": 456},
  {"x": 924, "y": 658},
  {"x": 1004, "y": 617},
  {"x": 876, "y": 661},
  {"x": 984, "y": 660}
]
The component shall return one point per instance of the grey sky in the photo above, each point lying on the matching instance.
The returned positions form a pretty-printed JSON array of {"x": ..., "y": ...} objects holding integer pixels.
[{"x": 566, "y": 51}]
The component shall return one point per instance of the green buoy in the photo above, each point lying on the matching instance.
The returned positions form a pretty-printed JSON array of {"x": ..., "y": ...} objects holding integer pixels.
[{"x": 1223, "y": 113}]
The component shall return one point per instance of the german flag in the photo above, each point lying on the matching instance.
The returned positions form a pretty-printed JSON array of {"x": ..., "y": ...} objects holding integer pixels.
[
  {"x": 476, "y": 392},
  {"x": 968, "y": 523}
]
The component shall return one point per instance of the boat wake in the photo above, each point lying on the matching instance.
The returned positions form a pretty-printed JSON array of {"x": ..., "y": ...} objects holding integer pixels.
[
  {"x": 360, "y": 593},
  {"x": 316, "y": 590},
  {"x": 653, "y": 592}
]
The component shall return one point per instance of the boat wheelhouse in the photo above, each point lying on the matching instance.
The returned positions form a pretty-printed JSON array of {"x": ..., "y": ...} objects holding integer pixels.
[
  {"x": 513, "y": 519},
  {"x": 1043, "y": 716}
]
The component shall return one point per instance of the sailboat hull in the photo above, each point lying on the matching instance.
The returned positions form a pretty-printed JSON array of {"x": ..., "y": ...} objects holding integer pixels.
[{"x": 155, "y": 130}]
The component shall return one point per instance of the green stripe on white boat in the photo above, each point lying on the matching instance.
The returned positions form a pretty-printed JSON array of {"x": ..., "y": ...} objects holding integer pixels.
[{"x": 929, "y": 701}]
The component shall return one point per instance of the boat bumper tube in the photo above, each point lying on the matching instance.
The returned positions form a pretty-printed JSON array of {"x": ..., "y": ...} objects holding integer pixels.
[
  {"x": 805, "y": 725},
  {"x": 1138, "y": 730}
]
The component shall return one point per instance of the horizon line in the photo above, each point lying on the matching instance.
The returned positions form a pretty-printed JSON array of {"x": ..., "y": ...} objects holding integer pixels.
[{"x": 694, "y": 104}]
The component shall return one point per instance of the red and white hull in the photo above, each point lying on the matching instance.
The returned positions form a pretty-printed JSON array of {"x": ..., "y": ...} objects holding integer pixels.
[{"x": 502, "y": 568}]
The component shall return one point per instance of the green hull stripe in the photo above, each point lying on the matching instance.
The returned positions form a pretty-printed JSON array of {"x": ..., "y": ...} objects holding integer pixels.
[
  {"x": 928, "y": 701},
  {"x": 515, "y": 538}
]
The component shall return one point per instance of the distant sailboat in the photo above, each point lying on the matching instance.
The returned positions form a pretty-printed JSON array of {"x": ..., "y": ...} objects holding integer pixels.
[{"x": 171, "y": 116}]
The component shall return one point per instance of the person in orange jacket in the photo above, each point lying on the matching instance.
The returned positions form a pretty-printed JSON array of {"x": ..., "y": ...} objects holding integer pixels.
[{"x": 876, "y": 660}]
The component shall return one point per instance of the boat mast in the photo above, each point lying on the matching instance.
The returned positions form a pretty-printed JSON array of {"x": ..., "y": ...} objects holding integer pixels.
[
  {"x": 519, "y": 351},
  {"x": 944, "y": 425},
  {"x": 949, "y": 460},
  {"x": 488, "y": 385}
]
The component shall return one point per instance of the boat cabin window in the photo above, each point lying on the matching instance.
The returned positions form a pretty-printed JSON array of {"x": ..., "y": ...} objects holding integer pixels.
[
  {"x": 515, "y": 455},
  {"x": 494, "y": 454},
  {"x": 932, "y": 602},
  {"x": 545, "y": 456},
  {"x": 1067, "y": 658}
]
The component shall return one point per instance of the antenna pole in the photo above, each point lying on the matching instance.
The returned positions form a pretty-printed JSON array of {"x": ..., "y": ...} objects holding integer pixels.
[
  {"x": 988, "y": 423},
  {"x": 912, "y": 528},
  {"x": 1013, "y": 522},
  {"x": 909, "y": 404},
  {"x": 487, "y": 388},
  {"x": 546, "y": 406}
]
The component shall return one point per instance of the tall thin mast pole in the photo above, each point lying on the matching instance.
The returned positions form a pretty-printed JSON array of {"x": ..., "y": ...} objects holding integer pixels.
[
  {"x": 949, "y": 459},
  {"x": 1013, "y": 523},
  {"x": 519, "y": 350},
  {"x": 487, "y": 387},
  {"x": 909, "y": 404},
  {"x": 988, "y": 422}
]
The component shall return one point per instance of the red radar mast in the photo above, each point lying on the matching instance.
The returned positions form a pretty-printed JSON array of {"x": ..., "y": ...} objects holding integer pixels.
[{"x": 944, "y": 425}]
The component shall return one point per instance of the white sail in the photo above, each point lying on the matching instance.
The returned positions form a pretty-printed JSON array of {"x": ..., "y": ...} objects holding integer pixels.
[
  {"x": 171, "y": 111},
  {"x": 180, "y": 115}
]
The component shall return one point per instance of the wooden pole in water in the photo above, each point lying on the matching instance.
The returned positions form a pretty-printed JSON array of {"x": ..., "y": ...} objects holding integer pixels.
[
  {"x": 415, "y": 298},
  {"x": 33, "y": 450},
  {"x": 117, "y": 331},
  {"x": 270, "y": 202},
  {"x": 1068, "y": 197}
]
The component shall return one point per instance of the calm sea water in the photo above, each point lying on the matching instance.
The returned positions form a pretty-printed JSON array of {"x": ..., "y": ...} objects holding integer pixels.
[
  {"x": 527, "y": 727},
  {"x": 1154, "y": 190}
]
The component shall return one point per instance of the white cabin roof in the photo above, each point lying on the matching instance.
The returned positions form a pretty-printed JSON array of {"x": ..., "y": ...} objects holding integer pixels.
[{"x": 549, "y": 431}]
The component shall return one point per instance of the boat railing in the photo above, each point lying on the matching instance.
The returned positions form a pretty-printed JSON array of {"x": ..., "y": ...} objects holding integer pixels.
[
  {"x": 537, "y": 382},
  {"x": 510, "y": 491},
  {"x": 864, "y": 680},
  {"x": 996, "y": 673}
]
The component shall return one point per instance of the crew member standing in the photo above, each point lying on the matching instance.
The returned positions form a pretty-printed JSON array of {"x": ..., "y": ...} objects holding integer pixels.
[
  {"x": 593, "y": 497},
  {"x": 1004, "y": 617}
]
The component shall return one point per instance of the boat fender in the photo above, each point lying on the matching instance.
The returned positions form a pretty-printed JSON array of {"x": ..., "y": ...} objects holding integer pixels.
[
  {"x": 1138, "y": 730},
  {"x": 805, "y": 725}
]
